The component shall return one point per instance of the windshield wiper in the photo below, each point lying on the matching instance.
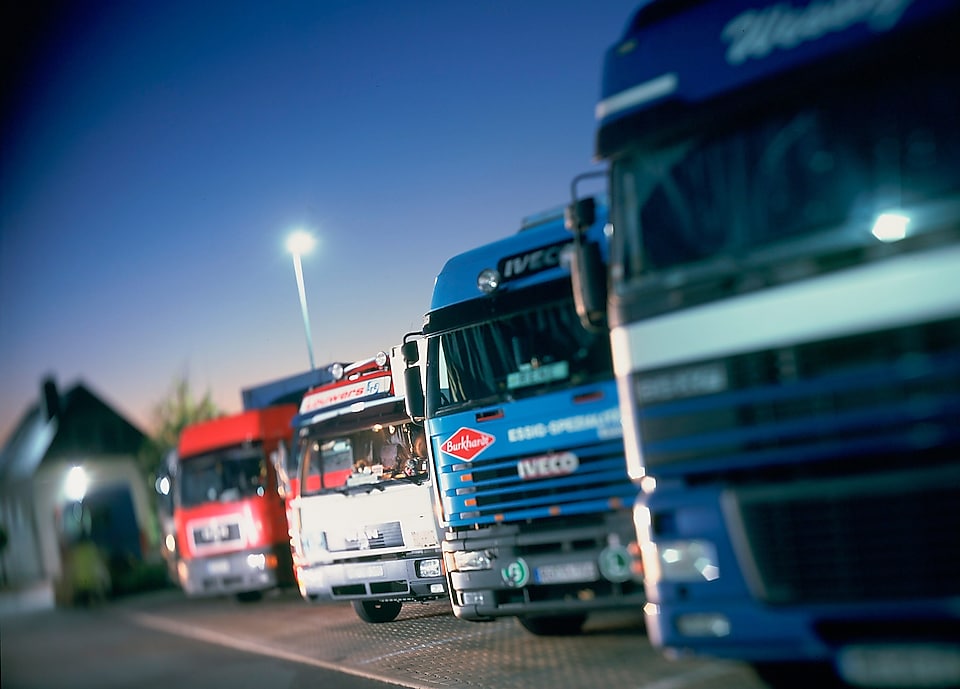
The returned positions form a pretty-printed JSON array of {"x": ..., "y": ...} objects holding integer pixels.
[
  {"x": 360, "y": 487},
  {"x": 499, "y": 398}
]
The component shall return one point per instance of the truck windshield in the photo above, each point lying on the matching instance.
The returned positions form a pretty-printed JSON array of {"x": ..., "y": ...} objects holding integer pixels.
[
  {"x": 516, "y": 355},
  {"x": 364, "y": 459},
  {"x": 226, "y": 476},
  {"x": 826, "y": 172}
]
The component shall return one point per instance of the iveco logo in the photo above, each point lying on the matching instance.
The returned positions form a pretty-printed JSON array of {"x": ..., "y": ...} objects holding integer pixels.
[
  {"x": 531, "y": 262},
  {"x": 545, "y": 466}
]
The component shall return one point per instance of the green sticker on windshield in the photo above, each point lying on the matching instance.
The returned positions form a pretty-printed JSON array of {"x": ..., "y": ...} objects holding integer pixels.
[{"x": 529, "y": 375}]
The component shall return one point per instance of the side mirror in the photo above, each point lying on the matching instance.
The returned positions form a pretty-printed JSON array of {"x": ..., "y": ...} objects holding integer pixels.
[
  {"x": 580, "y": 215},
  {"x": 414, "y": 391},
  {"x": 588, "y": 276},
  {"x": 410, "y": 352}
]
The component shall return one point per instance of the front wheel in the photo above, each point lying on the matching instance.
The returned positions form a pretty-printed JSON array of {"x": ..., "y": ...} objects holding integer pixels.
[
  {"x": 377, "y": 611},
  {"x": 553, "y": 625}
]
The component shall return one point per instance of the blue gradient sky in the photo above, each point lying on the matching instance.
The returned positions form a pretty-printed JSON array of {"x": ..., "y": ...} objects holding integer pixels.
[{"x": 157, "y": 154}]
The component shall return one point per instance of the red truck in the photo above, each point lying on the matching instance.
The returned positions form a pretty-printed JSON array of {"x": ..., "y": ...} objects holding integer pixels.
[{"x": 229, "y": 516}]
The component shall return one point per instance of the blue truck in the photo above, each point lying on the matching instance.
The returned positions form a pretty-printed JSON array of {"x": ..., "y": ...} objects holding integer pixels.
[
  {"x": 784, "y": 312},
  {"x": 521, "y": 414}
]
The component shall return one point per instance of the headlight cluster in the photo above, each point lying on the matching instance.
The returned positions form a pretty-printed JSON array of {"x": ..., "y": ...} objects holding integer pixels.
[
  {"x": 262, "y": 561},
  {"x": 678, "y": 560},
  {"x": 428, "y": 569},
  {"x": 468, "y": 561},
  {"x": 688, "y": 560},
  {"x": 313, "y": 543}
]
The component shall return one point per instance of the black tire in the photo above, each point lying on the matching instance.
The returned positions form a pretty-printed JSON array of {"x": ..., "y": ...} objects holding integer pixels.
[
  {"x": 798, "y": 675},
  {"x": 377, "y": 611},
  {"x": 249, "y": 596},
  {"x": 553, "y": 625}
]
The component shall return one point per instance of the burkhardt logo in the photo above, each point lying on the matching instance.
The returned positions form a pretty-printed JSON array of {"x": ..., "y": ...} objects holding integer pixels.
[{"x": 467, "y": 443}]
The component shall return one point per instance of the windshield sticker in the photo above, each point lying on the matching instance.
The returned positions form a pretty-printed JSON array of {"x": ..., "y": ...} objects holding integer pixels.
[
  {"x": 466, "y": 444},
  {"x": 606, "y": 423},
  {"x": 528, "y": 375}
]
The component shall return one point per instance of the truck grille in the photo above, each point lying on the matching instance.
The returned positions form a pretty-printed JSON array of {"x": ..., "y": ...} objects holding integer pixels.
[
  {"x": 839, "y": 460},
  {"x": 853, "y": 539},
  {"x": 369, "y": 537},
  {"x": 492, "y": 490},
  {"x": 892, "y": 394}
]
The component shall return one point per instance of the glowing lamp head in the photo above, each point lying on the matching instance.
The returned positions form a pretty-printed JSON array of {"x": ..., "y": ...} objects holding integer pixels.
[
  {"x": 300, "y": 242},
  {"x": 890, "y": 227},
  {"x": 488, "y": 280},
  {"x": 336, "y": 370},
  {"x": 76, "y": 484},
  {"x": 381, "y": 359}
]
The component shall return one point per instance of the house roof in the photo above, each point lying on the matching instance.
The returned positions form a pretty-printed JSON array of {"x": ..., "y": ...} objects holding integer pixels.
[{"x": 77, "y": 422}]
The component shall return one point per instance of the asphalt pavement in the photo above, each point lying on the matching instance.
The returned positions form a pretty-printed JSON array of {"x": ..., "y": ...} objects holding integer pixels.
[{"x": 165, "y": 640}]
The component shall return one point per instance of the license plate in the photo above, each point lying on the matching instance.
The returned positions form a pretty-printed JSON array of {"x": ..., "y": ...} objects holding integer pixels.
[
  {"x": 218, "y": 566},
  {"x": 900, "y": 665},
  {"x": 566, "y": 573},
  {"x": 367, "y": 572}
]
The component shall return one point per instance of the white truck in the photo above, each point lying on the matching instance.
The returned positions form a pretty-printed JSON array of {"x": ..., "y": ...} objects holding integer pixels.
[{"x": 364, "y": 526}]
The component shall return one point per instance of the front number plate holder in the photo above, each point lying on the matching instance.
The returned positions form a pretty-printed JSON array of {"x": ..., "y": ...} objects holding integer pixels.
[
  {"x": 897, "y": 665},
  {"x": 566, "y": 573},
  {"x": 218, "y": 566}
]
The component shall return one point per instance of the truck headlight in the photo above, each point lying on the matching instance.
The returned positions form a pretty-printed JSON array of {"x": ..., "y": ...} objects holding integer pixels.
[
  {"x": 428, "y": 568},
  {"x": 687, "y": 560},
  {"x": 262, "y": 561},
  {"x": 314, "y": 543},
  {"x": 471, "y": 560}
]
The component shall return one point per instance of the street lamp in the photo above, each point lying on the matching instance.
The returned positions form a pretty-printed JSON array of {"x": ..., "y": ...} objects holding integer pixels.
[{"x": 299, "y": 243}]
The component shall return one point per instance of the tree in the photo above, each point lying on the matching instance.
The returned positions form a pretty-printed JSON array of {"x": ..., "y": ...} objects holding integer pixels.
[{"x": 171, "y": 415}]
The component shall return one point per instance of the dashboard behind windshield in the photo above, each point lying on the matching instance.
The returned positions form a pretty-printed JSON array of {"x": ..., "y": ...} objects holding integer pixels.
[
  {"x": 369, "y": 457},
  {"x": 226, "y": 476},
  {"x": 537, "y": 349},
  {"x": 831, "y": 167}
]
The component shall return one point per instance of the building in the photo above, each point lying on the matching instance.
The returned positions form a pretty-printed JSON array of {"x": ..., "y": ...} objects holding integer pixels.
[{"x": 70, "y": 466}]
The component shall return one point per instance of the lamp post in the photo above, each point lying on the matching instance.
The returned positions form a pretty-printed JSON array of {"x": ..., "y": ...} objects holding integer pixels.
[{"x": 299, "y": 243}]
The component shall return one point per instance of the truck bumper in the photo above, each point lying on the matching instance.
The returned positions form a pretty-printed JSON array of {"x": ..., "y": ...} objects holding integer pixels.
[
  {"x": 256, "y": 569},
  {"x": 887, "y": 583},
  {"x": 755, "y": 634},
  {"x": 554, "y": 568},
  {"x": 410, "y": 579}
]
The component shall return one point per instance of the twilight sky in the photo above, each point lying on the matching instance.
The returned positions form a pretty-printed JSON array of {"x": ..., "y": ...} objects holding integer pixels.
[{"x": 155, "y": 156}]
